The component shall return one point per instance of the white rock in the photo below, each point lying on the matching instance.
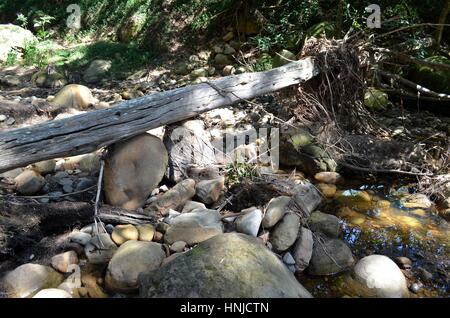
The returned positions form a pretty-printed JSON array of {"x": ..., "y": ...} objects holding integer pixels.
[
  {"x": 52, "y": 293},
  {"x": 381, "y": 277}
]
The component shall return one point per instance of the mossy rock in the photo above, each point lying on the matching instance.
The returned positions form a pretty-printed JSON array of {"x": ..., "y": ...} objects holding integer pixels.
[
  {"x": 53, "y": 80},
  {"x": 227, "y": 265},
  {"x": 434, "y": 79},
  {"x": 375, "y": 99}
]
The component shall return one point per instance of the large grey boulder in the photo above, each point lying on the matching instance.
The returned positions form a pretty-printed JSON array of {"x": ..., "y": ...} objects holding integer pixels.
[
  {"x": 380, "y": 277},
  {"x": 329, "y": 257},
  {"x": 194, "y": 227},
  {"x": 26, "y": 280},
  {"x": 131, "y": 259},
  {"x": 225, "y": 266}
]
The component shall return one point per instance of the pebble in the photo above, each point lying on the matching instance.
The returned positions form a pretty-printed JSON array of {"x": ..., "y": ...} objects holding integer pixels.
[
  {"x": 67, "y": 188},
  {"x": 158, "y": 237},
  {"x": 80, "y": 237},
  {"x": 288, "y": 259},
  {"x": 123, "y": 233},
  {"x": 162, "y": 227},
  {"x": 178, "y": 246},
  {"x": 415, "y": 288},
  {"x": 2, "y": 118},
  {"x": 63, "y": 261},
  {"x": 403, "y": 262},
  {"x": 146, "y": 232},
  {"x": 109, "y": 228},
  {"x": 84, "y": 183},
  {"x": 425, "y": 275},
  {"x": 10, "y": 121}
]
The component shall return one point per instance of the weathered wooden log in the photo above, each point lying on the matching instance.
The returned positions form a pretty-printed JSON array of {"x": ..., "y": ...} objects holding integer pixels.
[
  {"x": 24, "y": 224},
  {"x": 90, "y": 131}
]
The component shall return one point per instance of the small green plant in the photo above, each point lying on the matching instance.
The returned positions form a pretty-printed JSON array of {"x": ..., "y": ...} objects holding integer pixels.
[
  {"x": 22, "y": 20},
  {"x": 11, "y": 58},
  {"x": 237, "y": 172},
  {"x": 41, "y": 23},
  {"x": 263, "y": 63},
  {"x": 37, "y": 53}
]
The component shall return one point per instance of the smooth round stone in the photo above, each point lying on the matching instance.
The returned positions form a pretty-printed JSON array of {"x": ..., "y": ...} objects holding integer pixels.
[
  {"x": 178, "y": 246},
  {"x": 123, "y": 233},
  {"x": 328, "y": 177},
  {"x": 285, "y": 232},
  {"x": 415, "y": 288},
  {"x": 146, "y": 232},
  {"x": 52, "y": 293},
  {"x": 109, "y": 228},
  {"x": 381, "y": 277},
  {"x": 275, "y": 211},
  {"x": 328, "y": 190},
  {"x": 80, "y": 238},
  {"x": 63, "y": 261}
]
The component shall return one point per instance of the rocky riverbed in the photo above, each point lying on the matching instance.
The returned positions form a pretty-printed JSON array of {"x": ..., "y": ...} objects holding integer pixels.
[{"x": 218, "y": 218}]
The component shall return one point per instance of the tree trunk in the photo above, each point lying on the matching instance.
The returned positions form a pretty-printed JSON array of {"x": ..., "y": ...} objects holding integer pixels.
[
  {"x": 90, "y": 131},
  {"x": 440, "y": 28}
]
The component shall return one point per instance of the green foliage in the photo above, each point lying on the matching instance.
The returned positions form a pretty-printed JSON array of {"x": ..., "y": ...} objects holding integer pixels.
[
  {"x": 11, "y": 58},
  {"x": 41, "y": 22},
  {"x": 285, "y": 24},
  {"x": 238, "y": 172},
  {"x": 22, "y": 20},
  {"x": 37, "y": 53},
  {"x": 263, "y": 63}
]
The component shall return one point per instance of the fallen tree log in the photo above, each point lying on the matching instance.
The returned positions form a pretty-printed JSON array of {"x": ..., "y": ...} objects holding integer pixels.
[
  {"x": 25, "y": 224},
  {"x": 93, "y": 130}
]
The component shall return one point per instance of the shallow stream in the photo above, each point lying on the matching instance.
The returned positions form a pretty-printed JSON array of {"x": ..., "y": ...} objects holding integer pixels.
[{"x": 376, "y": 219}]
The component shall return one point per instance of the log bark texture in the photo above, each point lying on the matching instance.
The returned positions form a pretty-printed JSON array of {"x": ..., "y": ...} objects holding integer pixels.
[
  {"x": 24, "y": 224},
  {"x": 90, "y": 131}
]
